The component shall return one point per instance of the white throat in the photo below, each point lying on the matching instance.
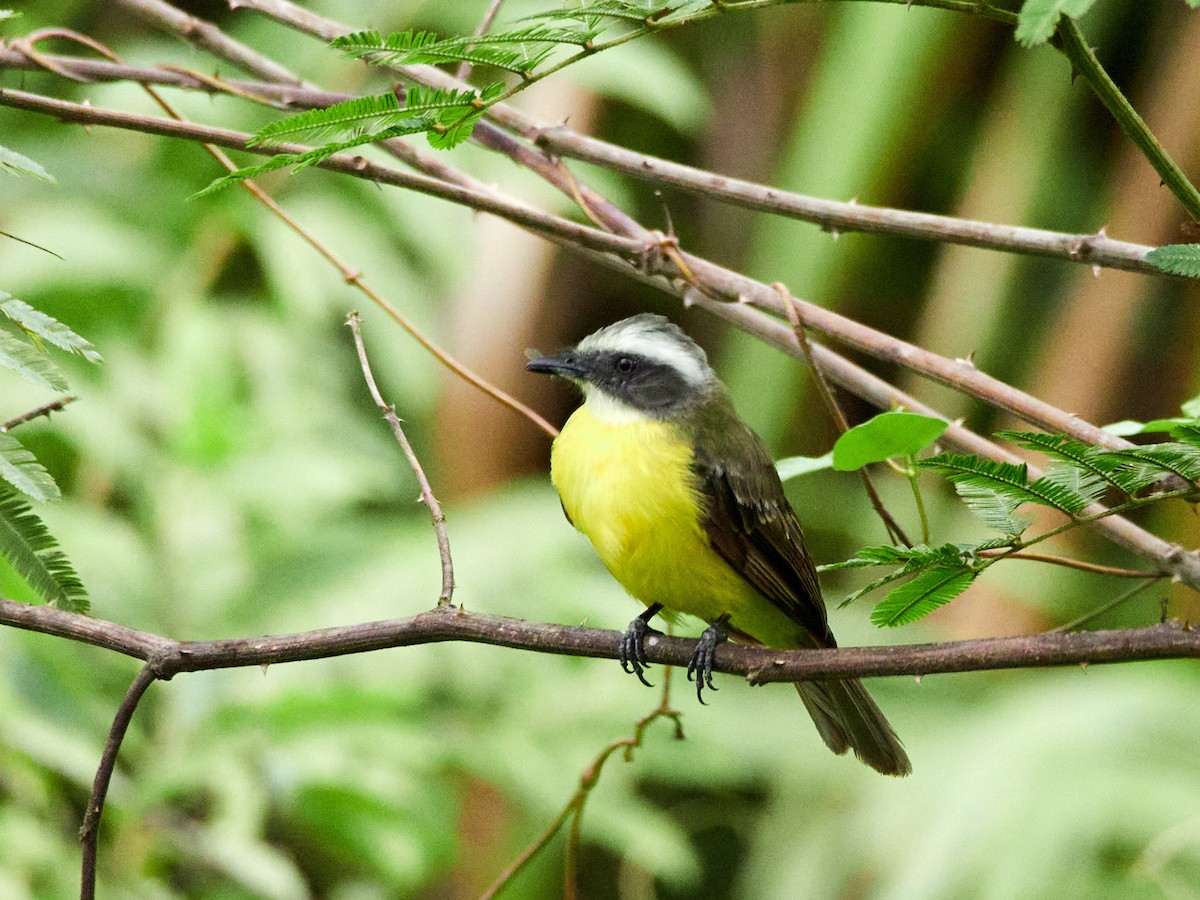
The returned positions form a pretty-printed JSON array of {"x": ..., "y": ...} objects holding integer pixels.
[{"x": 609, "y": 409}]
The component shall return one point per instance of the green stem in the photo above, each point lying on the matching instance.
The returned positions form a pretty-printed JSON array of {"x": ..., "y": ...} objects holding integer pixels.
[
  {"x": 912, "y": 474},
  {"x": 1071, "y": 42}
]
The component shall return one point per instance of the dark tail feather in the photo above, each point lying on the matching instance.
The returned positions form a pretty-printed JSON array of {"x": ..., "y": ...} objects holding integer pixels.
[{"x": 848, "y": 719}]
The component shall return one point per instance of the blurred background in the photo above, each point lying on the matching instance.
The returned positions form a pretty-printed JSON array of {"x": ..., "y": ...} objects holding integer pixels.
[{"x": 226, "y": 475}]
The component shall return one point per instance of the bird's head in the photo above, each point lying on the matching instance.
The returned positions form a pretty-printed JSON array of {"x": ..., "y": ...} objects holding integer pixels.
[{"x": 641, "y": 366}]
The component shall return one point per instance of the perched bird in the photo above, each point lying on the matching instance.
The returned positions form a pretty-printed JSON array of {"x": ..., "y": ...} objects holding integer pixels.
[{"x": 684, "y": 506}]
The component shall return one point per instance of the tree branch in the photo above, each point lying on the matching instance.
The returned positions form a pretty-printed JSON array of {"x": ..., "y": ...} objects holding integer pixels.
[
  {"x": 166, "y": 657},
  {"x": 90, "y": 831},
  {"x": 836, "y": 216}
]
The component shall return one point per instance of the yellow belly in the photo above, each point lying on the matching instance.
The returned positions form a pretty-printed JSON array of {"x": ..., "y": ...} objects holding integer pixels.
[{"x": 629, "y": 487}]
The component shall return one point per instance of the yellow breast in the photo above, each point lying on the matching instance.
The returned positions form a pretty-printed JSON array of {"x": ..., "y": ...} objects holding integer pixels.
[{"x": 628, "y": 486}]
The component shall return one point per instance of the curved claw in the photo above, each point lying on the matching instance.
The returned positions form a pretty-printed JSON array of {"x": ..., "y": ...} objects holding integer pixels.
[
  {"x": 701, "y": 664},
  {"x": 632, "y": 649}
]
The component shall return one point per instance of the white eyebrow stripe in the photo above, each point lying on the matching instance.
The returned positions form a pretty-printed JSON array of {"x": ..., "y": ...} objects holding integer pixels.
[{"x": 652, "y": 347}]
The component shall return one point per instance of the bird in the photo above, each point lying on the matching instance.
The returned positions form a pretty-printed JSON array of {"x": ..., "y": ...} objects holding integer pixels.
[{"x": 683, "y": 504}]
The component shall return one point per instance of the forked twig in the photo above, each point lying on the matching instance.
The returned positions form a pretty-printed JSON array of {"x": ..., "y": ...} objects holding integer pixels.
[{"x": 435, "y": 509}]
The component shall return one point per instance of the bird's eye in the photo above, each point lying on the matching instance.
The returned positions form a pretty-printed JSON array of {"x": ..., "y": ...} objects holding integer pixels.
[{"x": 625, "y": 365}]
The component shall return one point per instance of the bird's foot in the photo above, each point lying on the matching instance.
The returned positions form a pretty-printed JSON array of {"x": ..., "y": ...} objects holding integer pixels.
[
  {"x": 632, "y": 649},
  {"x": 701, "y": 665}
]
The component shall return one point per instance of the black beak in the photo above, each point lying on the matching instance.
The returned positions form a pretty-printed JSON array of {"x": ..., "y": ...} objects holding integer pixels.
[{"x": 564, "y": 364}]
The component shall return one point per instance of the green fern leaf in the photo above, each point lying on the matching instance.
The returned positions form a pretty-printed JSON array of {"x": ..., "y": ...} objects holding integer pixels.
[
  {"x": 992, "y": 490},
  {"x": 32, "y": 551},
  {"x": 1186, "y": 432},
  {"x": 997, "y": 489},
  {"x": 887, "y": 555},
  {"x": 593, "y": 13},
  {"x": 539, "y": 34},
  {"x": 21, "y": 469},
  {"x": 872, "y": 586},
  {"x": 374, "y": 114},
  {"x": 47, "y": 328},
  {"x": 407, "y": 47},
  {"x": 1177, "y": 259},
  {"x": 918, "y": 598},
  {"x": 1073, "y": 454},
  {"x": 1142, "y": 466},
  {"x": 299, "y": 161},
  {"x": 31, "y": 364},
  {"x": 910, "y": 560},
  {"x": 365, "y": 43}
]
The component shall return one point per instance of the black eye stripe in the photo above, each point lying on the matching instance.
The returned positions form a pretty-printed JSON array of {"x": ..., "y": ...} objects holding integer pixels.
[{"x": 625, "y": 364}]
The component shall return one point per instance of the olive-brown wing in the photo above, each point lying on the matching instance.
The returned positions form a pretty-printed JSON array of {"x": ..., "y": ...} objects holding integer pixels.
[{"x": 752, "y": 526}]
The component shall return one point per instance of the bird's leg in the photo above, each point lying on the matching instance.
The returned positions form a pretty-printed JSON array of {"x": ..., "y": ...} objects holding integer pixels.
[
  {"x": 702, "y": 660},
  {"x": 632, "y": 649}
]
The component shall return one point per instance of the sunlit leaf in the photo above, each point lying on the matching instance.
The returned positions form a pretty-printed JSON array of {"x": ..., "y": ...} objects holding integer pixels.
[
  {"x": 795, "y": 466},
  {"x": 1039, "y": 18},
  {"x": 887, "y": 435}
]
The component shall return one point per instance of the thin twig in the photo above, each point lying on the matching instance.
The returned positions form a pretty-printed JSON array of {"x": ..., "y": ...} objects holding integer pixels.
[
  {"x": 435, "y": 509},
  {"x": 44, "y": 410},
  {"x": 89, "y": 832},
  {"x": 464, "y": 68},
  {"x": 1079, "y": 564},
  {"x": 207, "y": 36},
  {"x": 895, "y": 532},
  {"x": 1120, "y": 599}
]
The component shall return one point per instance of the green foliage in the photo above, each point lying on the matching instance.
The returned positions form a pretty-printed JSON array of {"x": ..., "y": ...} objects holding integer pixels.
[
  {"x": 887, "y": 435},
  {"x": 630, "y": 11},
  {"x": 1039, "y": 18},
  {"x": 21, "y": 469},
  {"x": 412, "y": 47},
  {"x": 15, "y": 163},
  {"x": 931, "y": 589},
  {"x": 1177, "y": 259},
  {"x": 41, "y": 326},
  {"x": 300, "y": 161},
  {"x": 1128, "y": 427},
  {"x": 32, "y": 550},
  {"x": 795, "y": 466},
  {"x": 375, "y": 116},
  {"x": 30, "y": 363}
]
